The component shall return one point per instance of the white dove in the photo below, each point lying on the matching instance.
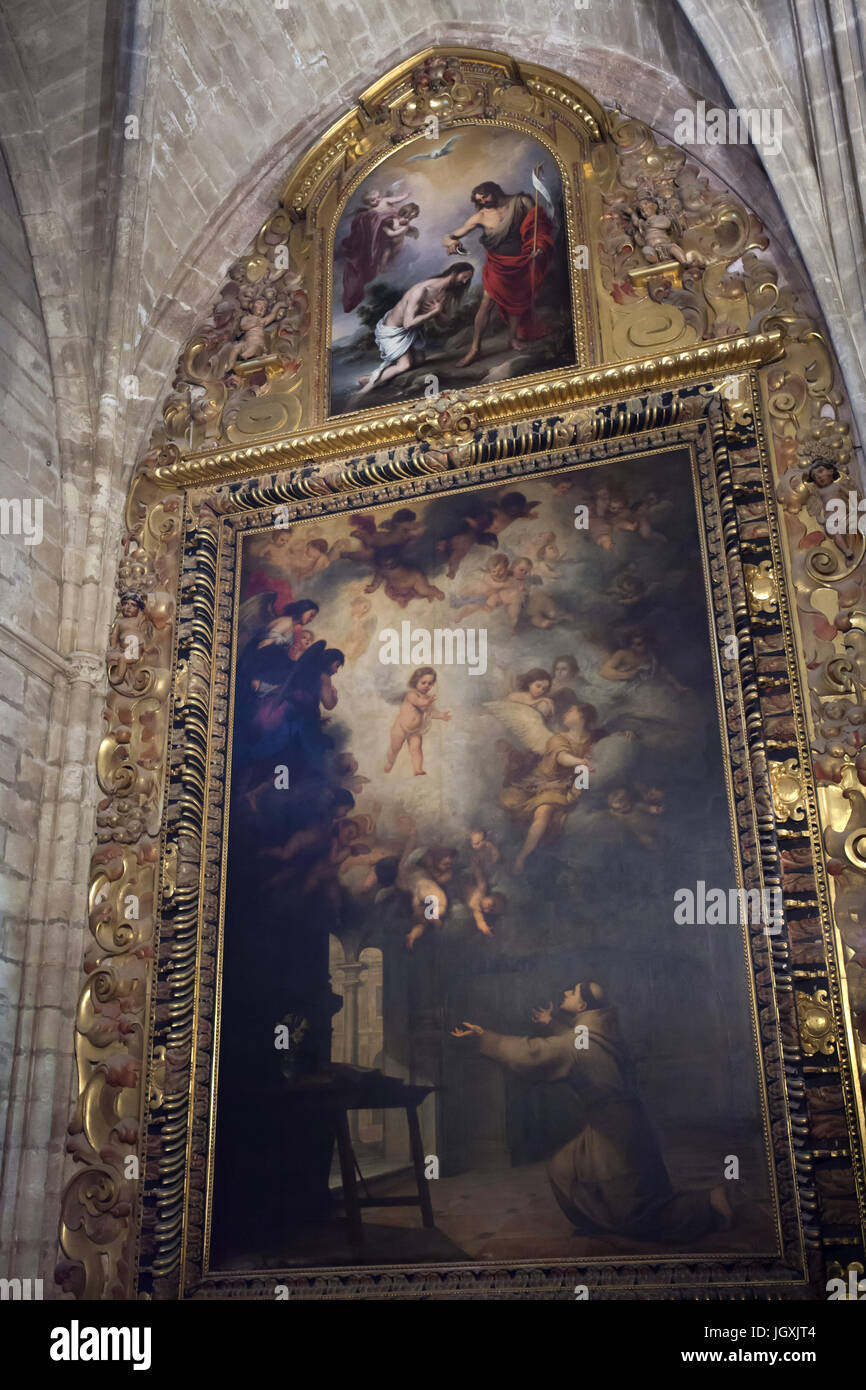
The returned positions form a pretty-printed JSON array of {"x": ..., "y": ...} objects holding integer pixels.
[{"x": 435, "y": 154}]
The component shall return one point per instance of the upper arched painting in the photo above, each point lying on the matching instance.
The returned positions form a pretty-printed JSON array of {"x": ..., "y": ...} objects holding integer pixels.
[{"x": 450, "y": 269}]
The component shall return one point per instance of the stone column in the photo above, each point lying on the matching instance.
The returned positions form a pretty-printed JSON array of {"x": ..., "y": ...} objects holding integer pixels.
[{"x": 349, "y": 975}]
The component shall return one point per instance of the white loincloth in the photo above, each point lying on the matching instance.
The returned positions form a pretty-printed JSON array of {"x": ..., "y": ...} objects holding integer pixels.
[{"x": 392, "y": 343}]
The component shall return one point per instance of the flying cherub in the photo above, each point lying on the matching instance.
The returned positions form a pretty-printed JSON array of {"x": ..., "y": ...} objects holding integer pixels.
[
  {"x": 401, "y": 582},
  {"x": 397, "y": 530},
  {"x": 426, "y": 875},
  {"x": 345, "y": 843},
  {"x": 511, "y": 507},
  {"x": 546, "y": 555},
  {"x": 509, "y": 595},
  {"x": 363, "y": 624},
  {"x": 541, "y": 609},
  {"x": 636, "y": 660},
  {"x": 413, "y": 719},
  {"x": 631, "y": 814},
  {"x": 488, "y": 581},
  {"x": 306, "y": 555},
  {"x": 252, "y": 325},
  {"x": 478, "y": 893},
  {"x": 482, "y": 900},
  {"x": 483, "y": 852},
  {"x": 472, "y": 530}
]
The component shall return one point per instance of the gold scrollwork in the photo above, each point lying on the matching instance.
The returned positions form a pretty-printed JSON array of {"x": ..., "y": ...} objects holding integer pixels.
[
  {"x": 157, "y": 1078},
  {"x": 96, "y": 1225}
]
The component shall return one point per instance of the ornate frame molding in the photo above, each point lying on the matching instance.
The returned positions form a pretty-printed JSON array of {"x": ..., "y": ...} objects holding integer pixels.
[{"x": 456, "y": 416}]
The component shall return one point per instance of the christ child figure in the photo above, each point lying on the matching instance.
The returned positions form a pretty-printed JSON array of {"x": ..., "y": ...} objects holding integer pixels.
[{"x": 413, "y": 719}]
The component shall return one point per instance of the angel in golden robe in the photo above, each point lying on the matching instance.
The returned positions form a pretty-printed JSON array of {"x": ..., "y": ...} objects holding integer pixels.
[{"x": 541, "y": 793}]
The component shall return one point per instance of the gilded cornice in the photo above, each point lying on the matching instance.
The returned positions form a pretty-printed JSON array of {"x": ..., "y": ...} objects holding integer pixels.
[{"x": 501, "y": 405}]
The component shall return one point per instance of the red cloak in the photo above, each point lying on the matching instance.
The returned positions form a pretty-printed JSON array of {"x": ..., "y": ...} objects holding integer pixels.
[
  {"x": 260, "y": 581},
  {"x": 513, "y": 281},
  {"x": 363, "y": 250}
]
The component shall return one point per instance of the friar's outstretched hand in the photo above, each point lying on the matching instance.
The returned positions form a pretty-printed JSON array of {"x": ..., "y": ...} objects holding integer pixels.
[
  {"x": 543, "y": 1015},
  {"x": 468, "y": 1030}
]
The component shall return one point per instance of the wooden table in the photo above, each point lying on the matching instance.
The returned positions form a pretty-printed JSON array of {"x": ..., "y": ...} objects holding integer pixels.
[{"x": 345, "y": 1088}]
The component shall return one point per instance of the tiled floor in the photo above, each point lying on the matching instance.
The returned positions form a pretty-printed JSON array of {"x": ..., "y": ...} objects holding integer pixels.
[
  {"x": 510, "y": 1214},
  {"x": 513, "y": 1215}
]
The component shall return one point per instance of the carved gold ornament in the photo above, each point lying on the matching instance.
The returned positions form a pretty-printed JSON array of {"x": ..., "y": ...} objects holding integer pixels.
[
  {"x": 815, "y": 1014},
  {"x": 788, "y": 789},
  {"x": 761, "y": 587}
]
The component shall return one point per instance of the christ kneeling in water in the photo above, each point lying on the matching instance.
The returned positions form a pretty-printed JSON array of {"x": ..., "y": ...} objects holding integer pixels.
[
  {"x": 610, "y": 1179},
  {"x": 399, "y": 336}
]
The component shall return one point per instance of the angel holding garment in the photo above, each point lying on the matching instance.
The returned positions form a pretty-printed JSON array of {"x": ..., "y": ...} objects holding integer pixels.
[
  {"x": 368, "y": 242},
  {"x": 396, "y": 229},
  {"x": 413, "y": 719},
  {"x": 542, "y": 797}
]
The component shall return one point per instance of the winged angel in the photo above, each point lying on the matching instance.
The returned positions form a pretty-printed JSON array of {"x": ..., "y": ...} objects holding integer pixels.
[{"x": 548, "y": 771}]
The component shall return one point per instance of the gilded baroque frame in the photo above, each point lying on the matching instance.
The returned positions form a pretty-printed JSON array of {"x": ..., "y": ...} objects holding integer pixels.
[{"x": 751, "y": 400}]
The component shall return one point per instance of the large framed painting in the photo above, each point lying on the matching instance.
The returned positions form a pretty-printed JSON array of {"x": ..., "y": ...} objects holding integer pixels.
[
  {"x": 494, "y": 929},
  {"x": 449, "y": 718}
]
